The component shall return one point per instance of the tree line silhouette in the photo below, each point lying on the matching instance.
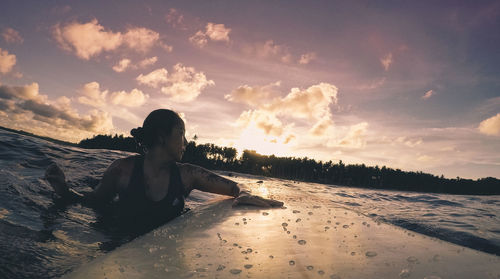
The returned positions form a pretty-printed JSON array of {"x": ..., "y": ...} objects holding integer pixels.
[{"x": 215, "y": 157}]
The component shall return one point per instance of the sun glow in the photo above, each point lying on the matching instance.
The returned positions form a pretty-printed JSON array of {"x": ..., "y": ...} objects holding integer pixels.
[{"x": 252, "y": 138}]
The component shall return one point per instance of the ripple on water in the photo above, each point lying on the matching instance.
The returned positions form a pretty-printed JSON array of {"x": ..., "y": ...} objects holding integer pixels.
[
  {"x": 405, "y": 273},
  {"x": 235, "y": 271},
  {"x": 412, "y": 259}
]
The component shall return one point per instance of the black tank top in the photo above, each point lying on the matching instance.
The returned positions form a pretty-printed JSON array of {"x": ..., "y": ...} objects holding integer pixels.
[{"x": 144, "y": 211}]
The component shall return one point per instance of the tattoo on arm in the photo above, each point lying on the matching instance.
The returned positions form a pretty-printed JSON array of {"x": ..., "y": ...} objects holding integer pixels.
[{"x": 208, "y": 181}]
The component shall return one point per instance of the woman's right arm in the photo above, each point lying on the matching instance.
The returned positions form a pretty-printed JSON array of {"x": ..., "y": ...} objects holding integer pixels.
[{"x": 103, "y": 192}]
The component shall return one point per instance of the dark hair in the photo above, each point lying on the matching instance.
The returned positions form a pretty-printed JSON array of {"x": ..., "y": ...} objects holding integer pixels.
[{"x": 159, "y": 122}]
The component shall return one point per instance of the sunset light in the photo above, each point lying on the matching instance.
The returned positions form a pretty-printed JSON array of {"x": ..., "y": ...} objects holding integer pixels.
[
  {"x": 250, "y": 139},
  {"x": 402, "y": 85}
]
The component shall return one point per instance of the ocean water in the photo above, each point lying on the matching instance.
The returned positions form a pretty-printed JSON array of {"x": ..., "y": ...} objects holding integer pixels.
[{"x": 43, "y": 238}]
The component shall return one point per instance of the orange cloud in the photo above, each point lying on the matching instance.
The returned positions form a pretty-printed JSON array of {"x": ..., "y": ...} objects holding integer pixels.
[
  {"x": 355, "y": 137},
  {"x": 306, "y": 58},
  {"x": 214, "y": 32},
  {"x": 386, "y": 61},
  {"x": 7, "y": 61},
  {"x": 185, "y": 84},
  {"x": 92, "y": 95},
  {"x": 311, "y": 104},
  {"x": 90, "y": 39},
  {"x": 428, "y": 94},
  {"x": 134, "y": 98},
  {"x": 490, "y": 126},
  {"x": 154, "y": 78},
  {"x": 252, "y": 96},
  {"x": 140, "y": 38},
  {"x": 12, "y": 36},
  {"x": 25, "y": 108},
  {"x": 175, "y": 18},
  {"x": 126, "y": 63},
  {"x": 148, "y": 61},
  {"x": 263, "y": 120},
  {"x": 122, "y": 65}
]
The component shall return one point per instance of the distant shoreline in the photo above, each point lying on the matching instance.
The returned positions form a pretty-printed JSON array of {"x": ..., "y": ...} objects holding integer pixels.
[{"x": 215, "y": 157}]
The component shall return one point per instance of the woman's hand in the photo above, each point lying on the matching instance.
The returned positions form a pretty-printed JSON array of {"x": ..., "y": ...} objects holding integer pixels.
[
  {"x": 247, "y": 199},
  {"x": 55, "y": 176}
]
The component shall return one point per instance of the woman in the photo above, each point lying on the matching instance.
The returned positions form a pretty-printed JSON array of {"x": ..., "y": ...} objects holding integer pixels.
[{"x": 154, "y": 184}]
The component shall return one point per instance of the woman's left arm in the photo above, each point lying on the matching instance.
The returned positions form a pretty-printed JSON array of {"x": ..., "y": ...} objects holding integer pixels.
[{"x": 199, "y": 178}]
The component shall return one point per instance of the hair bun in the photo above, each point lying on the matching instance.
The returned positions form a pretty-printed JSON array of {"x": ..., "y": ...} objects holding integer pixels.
[{"x": 138, "y": 133}]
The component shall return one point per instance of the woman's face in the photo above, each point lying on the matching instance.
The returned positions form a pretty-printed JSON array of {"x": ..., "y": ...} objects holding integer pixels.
[{"x": 176, "y": 143}]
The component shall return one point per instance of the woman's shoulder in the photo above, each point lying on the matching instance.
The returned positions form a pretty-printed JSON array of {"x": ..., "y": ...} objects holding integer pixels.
[
  {"x": 121, "y": 169},
  {"x": 123, "y": 165}
]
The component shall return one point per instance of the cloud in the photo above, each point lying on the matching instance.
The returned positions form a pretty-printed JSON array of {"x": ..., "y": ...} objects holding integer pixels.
[
  {"x": 214, "y": 32},
  {"x": 122, "y": 65},
  {"x": 306, "y": 58},
  {"x": 372, "y": 85},
  {"x": 311, "y": 104},
  {"x": 490, "y": 126},
  {"x": 86, "y": 39},
  {"x": 289, "y": 138},
  {"x": 154, "y": 78},
  {"x": 428, "y": 94},
  {"x": 217, "y": 32},
  {"x": 386, "y": 61},
  {"x": 141, "y": 39},
  {"x": 425, "y": 158},
  {"x": 125, "y": 64},
  {"x": 90, "y": 39},
  {"x": 271, "y": 50},
  {"x": 175, "y": 18},
  {"x": 12, "y": 36},
  {"x": 167, "y": 48},
  {"x": 183, "y": 84},
  {"x": 24, "y": 107},
  {"x": 265, "y": 121},
  {"x": 27, "y": 92},
  {"x": 199, "y": 39},
  {"x": 252, "y": 96},
  {"x": 92, "y": 95},
  {"x": 355, "y": 138},
  {"x": 408, "y": 142},
  {"x": 321, "y": 127},
  {"x": 7, "y": 61},
  {"x": 133, "y": 99},
  {"x": 148, "y": 61}
]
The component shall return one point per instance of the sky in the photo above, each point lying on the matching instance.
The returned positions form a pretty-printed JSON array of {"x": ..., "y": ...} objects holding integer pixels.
[{"x": 413, "y": 85}]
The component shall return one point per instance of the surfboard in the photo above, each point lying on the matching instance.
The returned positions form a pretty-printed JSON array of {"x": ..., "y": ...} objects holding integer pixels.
[{"x": 310, "y": 237}]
